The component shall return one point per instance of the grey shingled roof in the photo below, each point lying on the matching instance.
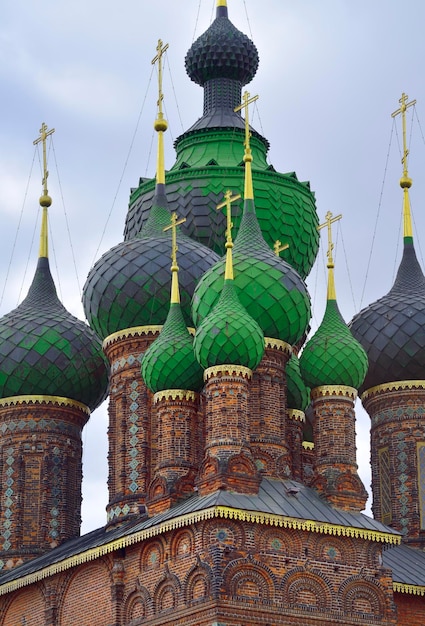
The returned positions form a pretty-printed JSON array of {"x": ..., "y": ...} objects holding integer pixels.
[{"x": 407, "y": 564}]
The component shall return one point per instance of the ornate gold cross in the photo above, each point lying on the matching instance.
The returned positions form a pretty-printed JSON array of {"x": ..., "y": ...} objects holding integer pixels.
[
  {"x": 329, "y": 221},
  {"x": 44, "y": 133}
]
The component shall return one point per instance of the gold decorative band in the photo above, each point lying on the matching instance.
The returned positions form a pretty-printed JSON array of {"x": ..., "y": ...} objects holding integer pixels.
[
  {"x": 308, "y": 445},
  {"x": 58, "y": 400},
  {"x": 135, "y": 331},
  {"x": 414, "y": 590},
  {"x": 296, "y": 414},
  {"x": 277, "y": 344},
  {"x": 333, "y": 390},
  {"x": 174, "y": 394},
  {"x": 231, "y": 370},
  {"x": 398, "y": 385}
]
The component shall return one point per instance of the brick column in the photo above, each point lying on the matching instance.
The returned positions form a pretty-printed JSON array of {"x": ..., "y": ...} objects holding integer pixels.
[
  {"x": 131, "y": 456},
  {"x": 335, "y": 447},
  {"x": 267, "y": 411},
  {"x": 294, "y": 428},
  {"x": 177, "y": 444},
  {"x": 228, "y": 461},
  {"x": 41, "y": 474},
  {"x": 397, "y": 412}
]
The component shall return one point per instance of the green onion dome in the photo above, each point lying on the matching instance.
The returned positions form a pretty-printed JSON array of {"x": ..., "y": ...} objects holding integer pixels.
[
  {"x": 392, "y": 329},
  {"x": 209, "y": 159},
  {"x": 169, "y": 362},
  {"x": 130, "y": 284},
  {"x": 229, "y": 335},
  {"x": 47, "y": 351},
  {"x": 297, "y": 395},
  {"x": 271, "y": 291},
  {"x": 333, "y": 356}
]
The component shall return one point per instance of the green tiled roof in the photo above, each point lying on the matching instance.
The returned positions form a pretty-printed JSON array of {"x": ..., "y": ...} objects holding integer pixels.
[
  {"x": 332, "y": 356},
  {"x": 44, "y": 350},
  {"x": 170, "y": 363}
]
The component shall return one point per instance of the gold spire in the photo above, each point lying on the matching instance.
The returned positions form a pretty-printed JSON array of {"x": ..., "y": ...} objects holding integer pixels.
[
  {"x": 247, "y": 157},
  {"x": 45, "y": 199},
  {"x": 279, "y": 247},
  {"x": 405, "y": 181},
  {"x": 228, "y": 199},
  {"x": 221, "y": 3},
  {"x": 175, "y": 293},
  {"x": 160, "y": 124},
  {"x": 331, "y": 279}
]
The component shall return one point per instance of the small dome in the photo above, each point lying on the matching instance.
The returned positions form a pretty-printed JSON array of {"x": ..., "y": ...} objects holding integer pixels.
[
  {"x": 269, "y": 288},
  {"x": 170, "y": 363},
  {"x": 130, "y": 284},
  {"x": 392, "y": 329},
  {"x": 47, "y": 351},
  {"x": 229, "y": 335},
  {"x": 222, "y": 52},
  {"x": 298, "y": 395},
  {"x": 333, "y": 356}
]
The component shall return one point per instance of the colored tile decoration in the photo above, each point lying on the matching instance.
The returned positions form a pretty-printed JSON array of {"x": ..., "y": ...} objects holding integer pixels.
[
  {"x": 118, "y": 512},
  {"x": 385, "y": 484},
  {"x": 55, "y": 481},
  {"x": 36, "y": 425},
  {"x": 120, "y": 364},
  {"x": 134, "y": 429},
  {"x": 7, "y": 501},
  {"x": 421, "y": 482},
  {"x": 402, "y": 477}
]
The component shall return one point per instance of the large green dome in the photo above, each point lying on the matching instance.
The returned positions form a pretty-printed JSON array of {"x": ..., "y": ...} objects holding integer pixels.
[
  {"x": 209, "y": 160},
  {"x": 269, "y": 288},
  {"x": 169, "y": 362},
  {"x": 130, "y": 284},
  {"x": 333, "y": 356},
  {"x": 45, "y": 350},
  {"x": 229, "y": 335}
]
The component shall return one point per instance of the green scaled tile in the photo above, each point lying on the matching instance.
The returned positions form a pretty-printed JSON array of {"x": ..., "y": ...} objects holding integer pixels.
[
  {"x": 332, "y": 356},
  {"x": 229, "y": 335},
  {"x": 170, "y": 363},
  {"x": 298, "y": 394},
  {"x": 44, "y": 350}
]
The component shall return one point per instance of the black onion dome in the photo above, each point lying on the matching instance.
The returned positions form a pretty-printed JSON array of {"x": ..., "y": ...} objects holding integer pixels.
[
  {"x": 392, "y": 329},
  {"x": 222, "y": 52},
  {"x": 44, "y": 350}
]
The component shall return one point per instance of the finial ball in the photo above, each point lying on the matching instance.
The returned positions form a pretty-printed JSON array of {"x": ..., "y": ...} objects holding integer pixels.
[
  {"x": 160, "y": 125},
  {"x": 405, "y": 182},
  {"x": 45, "y": 201}
]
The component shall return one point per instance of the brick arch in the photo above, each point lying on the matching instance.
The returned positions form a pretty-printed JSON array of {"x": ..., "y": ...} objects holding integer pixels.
[
  {"x": 304, "y": 589},
  {"x": 277, "y": 540},
  {"x": 182, "y": 544},
  {"x": 374, "y": 555},
  {"x": 198, "y": 584},
  {"x": 87, "y": 596},
  {"x": 223, "y": 532},
  {"x": 153, "y": 555},
  {"x": 137, "y": 606},
  {"x": 27, "y": 603},
  {"x": 332, "y": 549},
  {"x": 362, "y": 597},
  {"x": 247, "y": 579},
  {"x": 166, "y": 594}
]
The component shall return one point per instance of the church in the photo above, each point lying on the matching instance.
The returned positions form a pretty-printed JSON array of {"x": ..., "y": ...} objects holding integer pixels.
[{"x": 234, "y": 493}]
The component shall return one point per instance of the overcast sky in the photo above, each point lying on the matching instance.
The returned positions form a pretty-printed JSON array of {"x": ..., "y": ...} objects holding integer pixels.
[{"x": 331, "y": 73}]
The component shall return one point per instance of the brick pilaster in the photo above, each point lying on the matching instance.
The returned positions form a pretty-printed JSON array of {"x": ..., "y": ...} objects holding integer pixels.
[
  {"x": 294, "y": 428},
  {"x": 335, "y": 447}
]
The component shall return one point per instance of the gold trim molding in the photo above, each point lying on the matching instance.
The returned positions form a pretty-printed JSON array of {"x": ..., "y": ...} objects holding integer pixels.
[
  {"x": 277, "y": 344},
  {"x": 296, "y": 415},
  {"x": 398, "y": 385},
  {"x": 308, "y": 445},
  {"x": 415, "y": 590},
  {"x": 135, "y": 331},
  {"x": 254, "y": 517},
  {"x": 174, "y": 394},
  {"x": 231, "y": 370},
  {"x": 334, "y": 390},
  {"x": 57, "y": 400}
]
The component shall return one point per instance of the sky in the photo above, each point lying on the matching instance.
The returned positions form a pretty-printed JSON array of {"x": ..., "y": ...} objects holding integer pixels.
[{"x": 330, "y": 75}]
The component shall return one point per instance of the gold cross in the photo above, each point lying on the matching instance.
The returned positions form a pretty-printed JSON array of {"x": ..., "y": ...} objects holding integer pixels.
[
  {"x": 160, "y": 50},
  {"x": 228, "y": 199},
  {"x": 173, "y": 227},
  {"x": 402, "y": 110},
  {"x": 44, "y": 133},
  {"x": 246, "y": 101},
  {"x": 279, "y": 247},
  {"x": 329, "y": 221}
]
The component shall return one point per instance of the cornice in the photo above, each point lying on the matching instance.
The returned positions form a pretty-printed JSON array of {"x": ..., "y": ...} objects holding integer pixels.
[
  {"x": 174, "y": 394},
  {"x": 135, "y": 331},
  {"x": 277, "y": 344},
  {"x": 296, "y": 415},
  {"x": 230, "y": 370},
  {"x": 325, "y": 391},
  {"x": 56, "y": 400},
  {"x": 398, "y": 385}
]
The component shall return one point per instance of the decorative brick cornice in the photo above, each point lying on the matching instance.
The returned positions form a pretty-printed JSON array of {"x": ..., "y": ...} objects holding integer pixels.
[
  {"x": 399, "y": 385},
  {"x": 296, "y": 415},
  {"x": 135, "y": 331},
  {"x": 174, "y": 394},
  {"x": 277, "y": 344},
  {"x": 414, "y": 590},
  {"x": 55, "y": 400},
  {"x": 308, "y": 445},
  {"x": 229, "y": 370},
  {"x": 326, "y": 391}
]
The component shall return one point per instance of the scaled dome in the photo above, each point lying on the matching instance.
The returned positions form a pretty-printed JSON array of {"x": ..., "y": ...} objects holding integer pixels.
[{"x": 46, "y": 351}]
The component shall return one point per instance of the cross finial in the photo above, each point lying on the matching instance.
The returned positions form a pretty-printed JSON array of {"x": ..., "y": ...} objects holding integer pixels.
[
  {"x": 228, "y": 199},
  {"x": 279, "y": 247},
  {"x": 175, "y": 295},
  {"x": 160, "y": 53},
  {"x": 329, "y": 221},
  {"x": 246, "y": 101},
  {"x": 44, "y": 133}
]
